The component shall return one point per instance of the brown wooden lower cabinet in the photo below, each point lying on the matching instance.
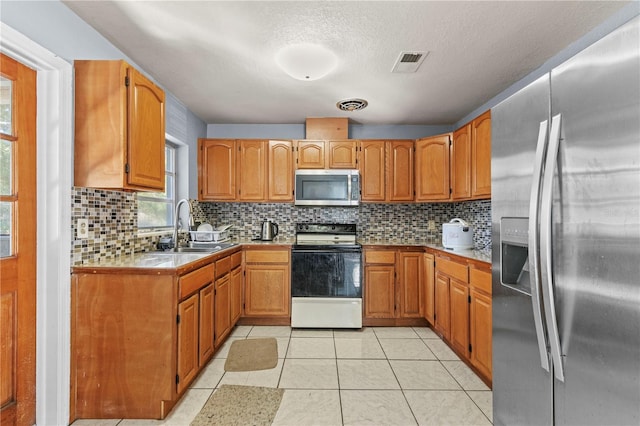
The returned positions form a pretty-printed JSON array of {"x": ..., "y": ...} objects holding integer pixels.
[
  {"x": 442, "y": 322},
  {"x": 267, "y": 292},
  {"x": 463, "y": 310},
  {"x": 141, "y": 336},
  {"x": 459, "y": 330},
  {"x": 393, "y": 286}
]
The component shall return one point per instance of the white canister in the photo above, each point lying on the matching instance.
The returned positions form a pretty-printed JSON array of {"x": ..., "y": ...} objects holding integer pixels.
[{"x": 457, "y": 235}]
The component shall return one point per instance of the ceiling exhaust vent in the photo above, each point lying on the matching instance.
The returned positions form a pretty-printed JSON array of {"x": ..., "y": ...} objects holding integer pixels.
[
  {"x": 409, "y": 62},
  {"x": 354, "y": 104}
]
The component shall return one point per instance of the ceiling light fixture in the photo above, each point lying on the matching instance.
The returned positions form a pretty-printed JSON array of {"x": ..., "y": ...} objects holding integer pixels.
[
  {"x": 306, "y": 61},
  {"x": 353, "y": 104}
]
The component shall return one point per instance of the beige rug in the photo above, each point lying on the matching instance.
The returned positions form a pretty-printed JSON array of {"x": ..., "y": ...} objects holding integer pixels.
[
  {"x": 241, "y": 406},
  {"x": 252, "y": 354}
]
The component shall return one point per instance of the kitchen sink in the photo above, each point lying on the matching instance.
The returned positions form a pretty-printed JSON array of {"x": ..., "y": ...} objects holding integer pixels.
[{"x": 201, "y": 248}]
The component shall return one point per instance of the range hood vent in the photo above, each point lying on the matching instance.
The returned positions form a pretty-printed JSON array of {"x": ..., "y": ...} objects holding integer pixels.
[{"x": 409, "y": 62}]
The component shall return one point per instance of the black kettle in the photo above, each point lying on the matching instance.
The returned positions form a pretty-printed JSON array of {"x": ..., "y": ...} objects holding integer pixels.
[{"x": 268, "y": 231}]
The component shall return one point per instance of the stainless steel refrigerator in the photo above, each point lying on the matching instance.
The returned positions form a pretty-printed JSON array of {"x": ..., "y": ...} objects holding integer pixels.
[{"x": 566, "y": 241}]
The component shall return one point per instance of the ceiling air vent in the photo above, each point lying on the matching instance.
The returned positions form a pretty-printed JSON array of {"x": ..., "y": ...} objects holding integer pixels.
[
  {"x": 352, "y": 104},
  {"x": 409, "y": 61}
]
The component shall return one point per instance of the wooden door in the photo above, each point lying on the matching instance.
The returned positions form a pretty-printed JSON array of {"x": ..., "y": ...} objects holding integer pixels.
[
  {"x": 432, "y": 168},
  {"x": 461, "y": 163},
  {"x": 187, "y": 342},
  {"x": 481, "y": 156},
  {"x": 442, "y": 311},
  {"x": 17, "y": 243},
  {"x": 343, "y": 154},
  {"x": 372, "y": 171},
  {"x": 400, "y": 171},
  {"x": 222, "y": 323},
  {"x": 379, "y": 291},
  {"x": 481, "y": 333},
  {"x": 252, "y": 170},
  {"x": 267, "y": 290},
  {"x": 206, "y": 324},
  {"x": 310, "y": 155},
  {"x": 429, "y": 287},
  {"x": 217, "y": 169},
  {"x": 410, "y": 285},
  {"x": 146, "y": 111},
  {"x": 236, "y": 295},
  {"x": 280, "y": 166},
  {"x": 459, "y": 298}
]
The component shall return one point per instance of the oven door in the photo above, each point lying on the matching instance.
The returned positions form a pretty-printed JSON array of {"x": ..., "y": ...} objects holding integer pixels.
[{"x": 332, "y": 272}]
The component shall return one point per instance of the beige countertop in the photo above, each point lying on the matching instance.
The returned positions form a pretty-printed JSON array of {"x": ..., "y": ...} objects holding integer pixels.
[
  {"x": 479, "y": 255},
  {"x": 166, "y": 262}
]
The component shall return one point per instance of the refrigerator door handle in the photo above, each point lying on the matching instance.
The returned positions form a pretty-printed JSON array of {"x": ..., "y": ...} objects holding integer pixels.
[
  {"x": 546, "y": 254},
  {"x": 534, "y": 245}
]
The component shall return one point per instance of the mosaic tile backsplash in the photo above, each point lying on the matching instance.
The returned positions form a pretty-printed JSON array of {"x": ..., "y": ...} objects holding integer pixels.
[{"x": 113, "y": 221}]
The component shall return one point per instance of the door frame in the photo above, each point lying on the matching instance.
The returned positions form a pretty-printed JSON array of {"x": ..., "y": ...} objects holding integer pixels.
[{"x": 54, "y": 179}]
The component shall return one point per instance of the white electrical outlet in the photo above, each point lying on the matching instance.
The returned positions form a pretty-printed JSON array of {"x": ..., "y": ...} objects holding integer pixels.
[
  {"x": 82, "y": 229},
  {"x": 431, "y": 225}
]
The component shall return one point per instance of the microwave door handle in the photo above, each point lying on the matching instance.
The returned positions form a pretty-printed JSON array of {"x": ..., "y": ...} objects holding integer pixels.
[
  {"x": 546, "y": 254},
  {"x": 534, "y": 245},
  {"x": 349, "y": 194}
]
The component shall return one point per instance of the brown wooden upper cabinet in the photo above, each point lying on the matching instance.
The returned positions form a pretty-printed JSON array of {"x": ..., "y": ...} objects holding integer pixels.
[
  {"x": 245, "y": 170},
  {"x": 432, "y": 168},
  {"x": 386, "y": 170},
  {"x": 119, "y": 128},
  {"x": 461, "y": 163},
  {"x": 471, "y": 160},
  {"x": 332, "y": 154},
  {"x": 481, "y": 156},
  {"x": 217, "y": 169}
]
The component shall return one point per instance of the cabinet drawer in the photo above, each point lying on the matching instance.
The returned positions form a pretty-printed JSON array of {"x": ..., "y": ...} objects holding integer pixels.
[
  {"x": 380, "y": 256},
  {"x": 223, "y": 266},
  {"x": 480, "y": 279},
  {"x": 267, "y": 256},
  {"x": 195, "y": 280},
  {"x": 453, "y": 269},
  {"x": 236, "y": 259}
]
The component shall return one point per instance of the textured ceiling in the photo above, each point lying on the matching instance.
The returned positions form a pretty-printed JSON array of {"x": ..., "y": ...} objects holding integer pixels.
[{"x": 218, "y": 57}]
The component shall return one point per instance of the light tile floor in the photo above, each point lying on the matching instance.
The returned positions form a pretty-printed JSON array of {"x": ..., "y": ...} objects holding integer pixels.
[{"x": 373, "y": 376}]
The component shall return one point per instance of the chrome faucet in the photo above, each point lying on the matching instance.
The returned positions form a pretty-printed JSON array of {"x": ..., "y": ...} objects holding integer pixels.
[{"x": 177, "y": 220}]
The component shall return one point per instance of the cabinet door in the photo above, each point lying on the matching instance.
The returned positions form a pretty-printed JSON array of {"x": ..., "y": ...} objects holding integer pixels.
[
  {"x": 379, "y": 291},
  {"x": 267, "y": 290},
  {"x": 372, "y": 171},
  {"x": 187, "y": 342},
  {"x": 217, "y": 169},
  {"x": 432, "y": 168},
  {"x": 222, "y": 314},
  {"x": 442, "y": 314},
  {"x": 280, "y": 165},
  {"x": 146, "y": 133},
  {"x": 400, "y": 176},
  {"x": 459, "y": 298},
  {"x": 481, "y": 340},
  {"x": 410, "y": 285},
  {"x": 343, "y": 154},
  {"x": 481, "y": 156},
  {"x": 461, "y": 163},
  {"x": 252, "y": 170},
  {"x": 310, "y": 155},
  {"x": 206, "y": 324},
  {"x": 236, "y": 295},
  {"x": 429, "y": 287}
]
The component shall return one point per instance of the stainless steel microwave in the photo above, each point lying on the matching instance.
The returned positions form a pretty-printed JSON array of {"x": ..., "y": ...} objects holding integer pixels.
[{"x": 327, "y": 187}]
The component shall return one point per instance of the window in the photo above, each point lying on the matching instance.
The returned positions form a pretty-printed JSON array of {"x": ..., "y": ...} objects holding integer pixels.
[
  {"x": 8, "y": 196},
  {"x": 156, "y": 209}
]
